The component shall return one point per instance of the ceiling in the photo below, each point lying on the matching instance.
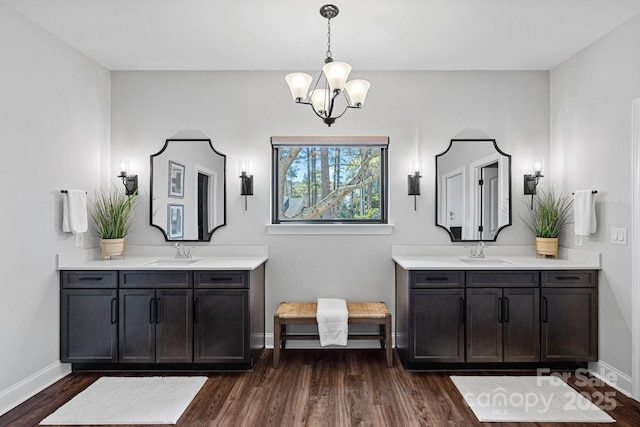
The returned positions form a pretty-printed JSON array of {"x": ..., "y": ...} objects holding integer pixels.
[{"x": 291, "y": 34}]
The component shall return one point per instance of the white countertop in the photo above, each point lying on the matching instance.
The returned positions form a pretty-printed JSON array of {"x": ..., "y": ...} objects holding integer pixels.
[
  {"x": 168, "y": 263},
  {"x": 433, "y": 262},
  {"x": 163, "y": 258}
]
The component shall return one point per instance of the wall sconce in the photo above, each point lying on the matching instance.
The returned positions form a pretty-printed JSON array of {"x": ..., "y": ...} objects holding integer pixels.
[
  {"x": 414, "y": 181},
  {"x": 531, "y": 181},
  {"x": 246, "y": 181},
  {"x": 130, "y": 182}
]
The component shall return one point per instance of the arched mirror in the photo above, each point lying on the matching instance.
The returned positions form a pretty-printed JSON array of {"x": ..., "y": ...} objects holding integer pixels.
[
  {"x": 473, "y": 190},
  {"x": 188, "y": 190}
]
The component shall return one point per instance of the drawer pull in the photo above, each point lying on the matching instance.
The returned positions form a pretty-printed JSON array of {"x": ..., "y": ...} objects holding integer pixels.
[
  {"x": 567, "y": 278},
  {"x": 221, "y": 279},
  {"x": 505, "y": 301},
  {"x": 152, "y": 309},
  {"x": 114, "y": 311},
  {"x": 438, "y": 279},
  {"x": 90, "y": 279},
  {"x": 544, "y": 309}
]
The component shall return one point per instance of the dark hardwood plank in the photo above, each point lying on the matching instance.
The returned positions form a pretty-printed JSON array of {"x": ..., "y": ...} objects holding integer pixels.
[{"x": 327, "y": 388}]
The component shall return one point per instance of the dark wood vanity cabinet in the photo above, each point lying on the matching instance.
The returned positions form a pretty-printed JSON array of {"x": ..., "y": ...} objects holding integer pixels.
[
  {"x": 569, "y": 316},
  {"x": 156, "y": 323},
  {"x": 179, "y": 318},
  {"x": 432, "y": 315},
  {"x": 478, "y": 318},
  {"x": 221, "y": 328},
  {"x": 503, "y": 323},
  {"x": 88, "y": 317},
  {"x": 228, "y": 316}
]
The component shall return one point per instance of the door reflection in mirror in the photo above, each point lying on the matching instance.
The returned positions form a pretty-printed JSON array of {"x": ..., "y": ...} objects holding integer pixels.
[{"x": 473, "y": 190}]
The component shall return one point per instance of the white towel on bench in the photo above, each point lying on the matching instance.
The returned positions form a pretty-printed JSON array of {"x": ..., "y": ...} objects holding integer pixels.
[{"x": 333, "y": 321}]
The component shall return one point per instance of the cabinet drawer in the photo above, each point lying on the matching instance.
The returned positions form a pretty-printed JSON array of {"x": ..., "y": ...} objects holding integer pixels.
[
  {"x": 502, "y": 279},
  {"x": 437, "y": 279},
  {"x": 89, "y": 279},
  {"x": 221, "y": 279},
  {"x": 570, "y": 278},
  {"x": 155, "y": 279}
]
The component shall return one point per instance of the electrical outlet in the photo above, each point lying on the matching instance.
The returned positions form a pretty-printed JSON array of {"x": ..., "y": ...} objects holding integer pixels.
[
  {"x": 618, "y": 236},
  {"x": 79, "y": 240}
]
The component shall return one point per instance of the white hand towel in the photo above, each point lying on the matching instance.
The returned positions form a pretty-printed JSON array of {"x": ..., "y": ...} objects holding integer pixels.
[
  {"x": 74, "y": 212},
  {"x": 333, "y": 321},
  {"x": 584, "y": 211}
]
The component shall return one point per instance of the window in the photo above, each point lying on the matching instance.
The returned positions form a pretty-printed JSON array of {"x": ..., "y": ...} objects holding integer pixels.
[{"x": 330, "y": 180}]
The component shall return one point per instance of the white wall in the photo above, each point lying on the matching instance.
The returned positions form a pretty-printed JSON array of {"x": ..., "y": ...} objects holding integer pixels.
[
  {"x": 419, "y": 111},
  {"x": 591, "y": 95},
  {"x": 54, "y": 135}
]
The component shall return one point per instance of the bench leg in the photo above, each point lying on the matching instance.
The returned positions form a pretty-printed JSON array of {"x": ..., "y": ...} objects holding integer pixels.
[
  {"x": 276, "y": 341},
  {"x": 388, "y": 341}
]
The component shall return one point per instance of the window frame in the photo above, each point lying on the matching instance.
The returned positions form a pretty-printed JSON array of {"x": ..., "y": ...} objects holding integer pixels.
[{"x": 381, "y": 142}]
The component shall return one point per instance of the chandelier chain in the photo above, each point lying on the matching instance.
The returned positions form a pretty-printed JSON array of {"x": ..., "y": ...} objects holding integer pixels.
[{"x": 329, "y": 54}]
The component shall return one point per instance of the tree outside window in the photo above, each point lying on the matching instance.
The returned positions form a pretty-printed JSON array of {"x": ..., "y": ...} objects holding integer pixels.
[{"x": 330, "y": 180}]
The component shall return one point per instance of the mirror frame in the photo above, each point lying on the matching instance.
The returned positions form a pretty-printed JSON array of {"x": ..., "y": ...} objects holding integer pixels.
[
  {"x": 224, "y": 193},
  {"x": 508, "y": 156}
]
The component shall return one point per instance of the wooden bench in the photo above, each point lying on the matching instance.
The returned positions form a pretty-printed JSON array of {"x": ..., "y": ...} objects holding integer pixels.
[{"x": 304, "y": 313}]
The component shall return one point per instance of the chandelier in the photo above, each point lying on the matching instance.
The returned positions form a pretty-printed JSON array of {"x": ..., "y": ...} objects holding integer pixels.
[{"x": 330, "y": 84}]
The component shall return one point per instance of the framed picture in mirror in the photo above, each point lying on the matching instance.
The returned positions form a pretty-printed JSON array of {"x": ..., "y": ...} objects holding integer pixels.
[
  {"x": 175, "y": 223},
  {"x": 176, "y": 179}
]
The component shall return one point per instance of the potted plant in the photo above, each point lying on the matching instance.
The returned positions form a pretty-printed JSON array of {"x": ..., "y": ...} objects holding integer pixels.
[
  {"x": 550, "y": 214},
  {"x": 112, "y": 214}
]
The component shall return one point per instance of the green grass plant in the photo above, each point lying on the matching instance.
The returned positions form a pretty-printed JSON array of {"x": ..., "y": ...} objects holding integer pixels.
[
  {"x": 551, "y": 213},
  {"x": 112, "y": 213}
]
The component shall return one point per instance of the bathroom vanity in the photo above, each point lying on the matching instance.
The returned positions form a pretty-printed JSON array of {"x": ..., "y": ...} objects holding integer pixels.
[
  {"x": 159, "y": 313},
  {"x": 496, "y": 312}
]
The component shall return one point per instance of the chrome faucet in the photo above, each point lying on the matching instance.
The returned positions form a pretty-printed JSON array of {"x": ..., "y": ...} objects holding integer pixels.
[
  {"x": 478, "y": 251},
  {"x": 182, "y": 252}
]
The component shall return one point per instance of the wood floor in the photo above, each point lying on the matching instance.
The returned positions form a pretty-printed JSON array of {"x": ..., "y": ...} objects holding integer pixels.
[{"x": 322, "y": 388}]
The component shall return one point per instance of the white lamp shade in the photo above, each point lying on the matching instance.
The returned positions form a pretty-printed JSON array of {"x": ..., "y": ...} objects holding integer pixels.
[
  {"x": 298, "y": 84},
  {"x": 537, "y": 165},
  {"x": 319, "y": 100},
  {"x": 416, "y": 167},
  {"x": 357, "y": 91},
  {"x": 337, "y": 74}
]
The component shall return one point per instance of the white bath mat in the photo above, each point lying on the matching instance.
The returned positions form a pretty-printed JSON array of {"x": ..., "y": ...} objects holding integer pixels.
[
  {"x": 527, "y": 399},
  {"x": 129, "y": 400}
]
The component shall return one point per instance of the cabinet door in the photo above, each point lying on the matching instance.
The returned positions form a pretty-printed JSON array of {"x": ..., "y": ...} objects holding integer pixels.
[
  {"x": 437, "y": 325},
  {"x": 89, "y": 326},
  {"x": 521, "y": 324},
  {"x": 137, "y": 326},
  {"x": 484, "y": 325},
  {"x": 569, "y": 324},
  {"x": 221, "y": 326},
  {"x": 174, "y": 323}
]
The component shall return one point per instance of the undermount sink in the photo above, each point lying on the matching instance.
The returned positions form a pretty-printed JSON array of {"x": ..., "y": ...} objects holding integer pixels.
[
  {"x": 169, "y": 262},
  {"x": 486, "y": 261}
]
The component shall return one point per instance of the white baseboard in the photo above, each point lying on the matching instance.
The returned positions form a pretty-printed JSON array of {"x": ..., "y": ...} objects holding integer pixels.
[
  {"x": 32, "y": 385},
  {"x": 315, "y": 344},
  {"x": 611, "y": 376}
]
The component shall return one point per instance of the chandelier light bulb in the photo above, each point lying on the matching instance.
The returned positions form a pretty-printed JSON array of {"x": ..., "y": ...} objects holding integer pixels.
[
  {"x": 357, "y": 91},
  {"x": 337, "y": 74},
  {"x": 320, "y": 100},
  {"x": 298, "y": 85}
]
